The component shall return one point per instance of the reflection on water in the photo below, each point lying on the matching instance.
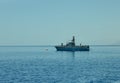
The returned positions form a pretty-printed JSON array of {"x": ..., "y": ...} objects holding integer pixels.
[{"x": 36, "y": 65}]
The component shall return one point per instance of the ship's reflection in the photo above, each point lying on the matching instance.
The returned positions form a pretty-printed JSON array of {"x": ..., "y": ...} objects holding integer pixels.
[
  {"x": 72, "y": 55},
  {"x": 67, "y": 54}
]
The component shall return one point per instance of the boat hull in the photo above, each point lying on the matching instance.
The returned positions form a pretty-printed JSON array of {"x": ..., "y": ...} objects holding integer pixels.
[{"x": 75, "y": 48}]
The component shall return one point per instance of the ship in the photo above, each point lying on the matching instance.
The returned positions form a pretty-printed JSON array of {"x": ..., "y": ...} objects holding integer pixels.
[{"x": 70, "y": 46}]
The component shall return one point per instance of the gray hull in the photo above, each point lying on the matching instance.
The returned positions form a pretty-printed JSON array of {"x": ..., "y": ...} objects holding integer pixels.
[{"x": 75, "y": 48}]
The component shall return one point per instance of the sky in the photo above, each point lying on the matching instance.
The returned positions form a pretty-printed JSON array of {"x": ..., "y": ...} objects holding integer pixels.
[{"x": 51, "y": 22}]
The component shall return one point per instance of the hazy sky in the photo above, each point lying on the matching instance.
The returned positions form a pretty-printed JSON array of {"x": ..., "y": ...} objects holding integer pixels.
[{"x": 50, "y": 22}]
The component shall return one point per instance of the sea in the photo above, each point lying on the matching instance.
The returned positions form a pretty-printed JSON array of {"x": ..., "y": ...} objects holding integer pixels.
[{"x": 43, "y": 64}]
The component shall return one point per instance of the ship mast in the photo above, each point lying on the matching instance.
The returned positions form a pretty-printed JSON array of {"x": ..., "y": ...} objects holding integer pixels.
[{"x": 73, "y": 40}]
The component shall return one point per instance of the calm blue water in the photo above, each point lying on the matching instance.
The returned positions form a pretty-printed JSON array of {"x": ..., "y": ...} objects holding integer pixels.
[{"x": 46, "y": 65}]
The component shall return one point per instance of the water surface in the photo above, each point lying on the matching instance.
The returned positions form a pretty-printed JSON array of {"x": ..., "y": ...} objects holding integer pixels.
[{"x": 27, "y": 64}]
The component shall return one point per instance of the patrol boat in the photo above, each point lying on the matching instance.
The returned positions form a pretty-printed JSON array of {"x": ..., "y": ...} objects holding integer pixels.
[{"x": 70, "y": 46}]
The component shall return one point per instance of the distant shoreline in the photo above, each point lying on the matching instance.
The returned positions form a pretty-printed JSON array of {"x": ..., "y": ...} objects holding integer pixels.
[{"x": 44, "y": 45}]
